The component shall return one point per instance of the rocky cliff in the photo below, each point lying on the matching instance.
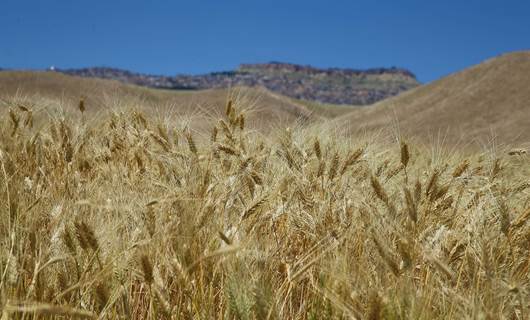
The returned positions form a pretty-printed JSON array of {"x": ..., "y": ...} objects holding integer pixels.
[{"x": 333, "y": 85}]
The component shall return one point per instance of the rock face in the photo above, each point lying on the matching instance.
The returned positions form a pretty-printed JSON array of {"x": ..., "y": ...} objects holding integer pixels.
[{"x": 337, "y": 86}]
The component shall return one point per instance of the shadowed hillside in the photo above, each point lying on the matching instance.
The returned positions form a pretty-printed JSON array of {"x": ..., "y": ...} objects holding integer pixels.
[{"x": 489, "y": 100}]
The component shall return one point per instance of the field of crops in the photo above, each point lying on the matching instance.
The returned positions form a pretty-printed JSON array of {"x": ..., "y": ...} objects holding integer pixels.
[{"x": 123, "y": 216}]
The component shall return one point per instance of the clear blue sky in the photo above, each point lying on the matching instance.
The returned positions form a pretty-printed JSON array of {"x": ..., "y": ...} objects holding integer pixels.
[{"x": 431, "y": 38}]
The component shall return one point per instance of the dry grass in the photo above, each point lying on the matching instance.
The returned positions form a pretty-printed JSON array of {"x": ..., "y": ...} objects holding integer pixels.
[
  {"x": 485, "y": 104},
  {"x": 122, "y": 216}
]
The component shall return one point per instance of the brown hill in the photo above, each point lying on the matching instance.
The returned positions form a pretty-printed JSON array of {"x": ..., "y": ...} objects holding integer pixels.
[
  {"x": 471, "y": 107},
  {"x": 267, "y": 109}
]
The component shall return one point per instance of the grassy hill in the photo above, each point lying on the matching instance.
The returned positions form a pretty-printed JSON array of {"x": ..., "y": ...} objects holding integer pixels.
[
  {"x": 265, "y": 109},
  {"x": 489, "y": 101}
]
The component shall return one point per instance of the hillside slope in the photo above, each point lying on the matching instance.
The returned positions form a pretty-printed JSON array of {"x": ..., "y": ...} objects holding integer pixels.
[
  {"x": 267, "y": 109},
  {"x": 334, "y": 85},
  {"x": 489, "y": 100}
]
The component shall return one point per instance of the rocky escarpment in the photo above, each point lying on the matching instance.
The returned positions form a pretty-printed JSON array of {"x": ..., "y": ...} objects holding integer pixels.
[{"x": 333, "y": 85}]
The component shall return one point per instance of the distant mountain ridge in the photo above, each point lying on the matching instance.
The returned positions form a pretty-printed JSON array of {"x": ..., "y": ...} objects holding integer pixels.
[
  {"x": 332, "y": 85},
  {"x": 275, "y": 65}
]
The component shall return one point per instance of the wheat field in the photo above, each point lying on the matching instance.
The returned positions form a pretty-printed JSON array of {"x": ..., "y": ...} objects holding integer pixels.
[{"x": 126, "y": 216}]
